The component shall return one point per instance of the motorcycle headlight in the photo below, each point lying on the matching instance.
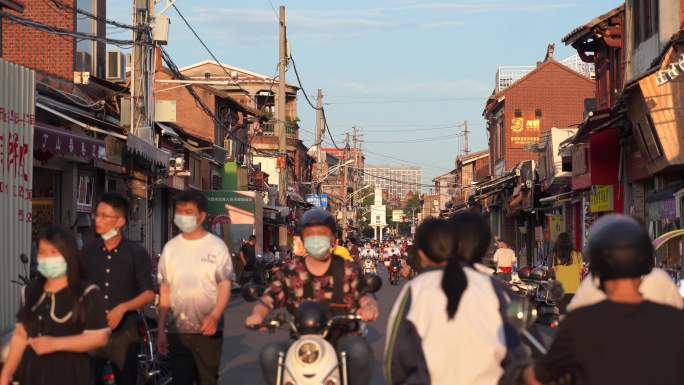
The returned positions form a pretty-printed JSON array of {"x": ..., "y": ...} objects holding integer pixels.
[{"x": 308, "y": 352}]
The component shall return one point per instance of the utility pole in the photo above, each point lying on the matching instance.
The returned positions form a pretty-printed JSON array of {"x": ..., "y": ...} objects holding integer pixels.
[
  {"x": 466, "y": 151},
  {"x": 345, "y": 184},
  {"x": 282, "y": 129},
  {"x": 320, "y": 126},
  {"x": 142, "y": 104}
]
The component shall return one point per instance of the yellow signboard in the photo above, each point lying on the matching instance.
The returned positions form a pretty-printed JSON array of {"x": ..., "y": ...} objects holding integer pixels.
[
  {"x": 556, "y": 226},
  {"x": 601, "y": 199},
  {"x": 525, "y": 131}
]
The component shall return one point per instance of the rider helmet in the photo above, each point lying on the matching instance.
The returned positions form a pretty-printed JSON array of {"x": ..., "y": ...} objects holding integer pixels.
[
  {"x": 317, "y": 217},
  {"x": 310, "y": 318},
  {"x": 619, "y": 247}
]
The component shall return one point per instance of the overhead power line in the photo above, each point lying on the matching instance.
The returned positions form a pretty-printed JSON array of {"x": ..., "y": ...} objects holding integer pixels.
[
  {"x": 187, "y": 23},
  {"x": 403, "y": 161},
  {"x": 177, "y": 74},
  {"x": 411, "y": 100},
  {"x": 68, "y": 7},
  {"x": 63, "y": 32},
  {"x": 416, "y": 140}
]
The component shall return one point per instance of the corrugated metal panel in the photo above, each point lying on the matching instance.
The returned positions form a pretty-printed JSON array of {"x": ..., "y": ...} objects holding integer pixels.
[{"x": 17, "y": 117}]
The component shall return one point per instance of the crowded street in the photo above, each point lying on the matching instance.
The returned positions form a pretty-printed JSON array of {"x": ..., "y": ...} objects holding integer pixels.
[{"x": 386, "y": 192}]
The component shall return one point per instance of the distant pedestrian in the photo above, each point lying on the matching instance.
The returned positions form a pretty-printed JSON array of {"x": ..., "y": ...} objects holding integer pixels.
[
  {"x": 504, "y": 257},
  {"x": 248, "y": 257},
  {"x": 567, "y": 264},
  {"x": 61, "y": 318},
  {"x": 123, "y": 271},
  {"x": 195, "y": 273}
]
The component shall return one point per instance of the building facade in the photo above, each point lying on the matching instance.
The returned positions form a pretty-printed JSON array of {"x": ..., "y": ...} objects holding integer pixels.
[{"x": 398, "y": 182}]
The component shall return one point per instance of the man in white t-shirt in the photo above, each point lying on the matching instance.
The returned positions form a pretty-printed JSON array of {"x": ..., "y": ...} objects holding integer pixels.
[
  {"x": 195, "y": 273},
  {"x": 656, "y": 286},
  {"x": 504, "y": 258}
]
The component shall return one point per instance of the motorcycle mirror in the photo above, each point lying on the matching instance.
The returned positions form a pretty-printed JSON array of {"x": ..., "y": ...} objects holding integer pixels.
[
  {"x": 251, "y": 292},
  {"x": 24, "y": 258},
  {"x": 371, "y": 283},
  {"x": 520, "y": 313},
  {"x": 556, "y": 291}
]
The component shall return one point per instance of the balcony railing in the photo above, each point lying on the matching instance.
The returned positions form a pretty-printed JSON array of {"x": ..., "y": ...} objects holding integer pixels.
[{"x": 291, "y": 128}]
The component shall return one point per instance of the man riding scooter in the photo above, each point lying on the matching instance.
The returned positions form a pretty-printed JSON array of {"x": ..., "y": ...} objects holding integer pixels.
[{"x": 332, "y": 282}]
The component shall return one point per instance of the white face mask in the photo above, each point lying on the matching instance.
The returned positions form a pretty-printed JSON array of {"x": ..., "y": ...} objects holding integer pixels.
[
  {"x": 186, "y": 223},
  {"x": 110, "y": 234}
]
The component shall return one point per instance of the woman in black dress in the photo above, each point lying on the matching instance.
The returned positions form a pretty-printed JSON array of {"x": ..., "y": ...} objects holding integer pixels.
[{"x": 60, "y": 320}]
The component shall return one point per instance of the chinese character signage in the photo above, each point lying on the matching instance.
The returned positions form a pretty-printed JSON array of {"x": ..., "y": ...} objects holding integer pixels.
[
  {"x": 525, "y": 131},
  {"x": 17, "y": 118},
  {"x": 601, "y": 199},
  {"x": 232, "y": 215}
]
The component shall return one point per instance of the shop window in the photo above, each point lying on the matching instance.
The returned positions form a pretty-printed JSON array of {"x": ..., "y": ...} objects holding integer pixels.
[{"x": 518, "y": 113}]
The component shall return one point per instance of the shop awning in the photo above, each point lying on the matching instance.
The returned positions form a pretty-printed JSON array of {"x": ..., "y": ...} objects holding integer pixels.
[
  {"x": 168, "y": 131},
  {"x": 53, "y": 140},
  {"x": 147, "y": 151},
  {"x": 558, "y": 198},
  {"x": 597, "y": 121}
]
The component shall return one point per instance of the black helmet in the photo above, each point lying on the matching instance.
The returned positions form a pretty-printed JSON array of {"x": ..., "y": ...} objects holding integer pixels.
[
  {"x": 619, "y": 247},
  {"x": 317, "y": 217},
  {"x": 310, "y": 318}
]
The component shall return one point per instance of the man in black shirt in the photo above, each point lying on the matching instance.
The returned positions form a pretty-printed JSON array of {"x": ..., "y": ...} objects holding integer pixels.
[
  {"x": 122, "y": 270},
  {"x": 248, "y": 256},
  {"x": 624, "y": 340}
]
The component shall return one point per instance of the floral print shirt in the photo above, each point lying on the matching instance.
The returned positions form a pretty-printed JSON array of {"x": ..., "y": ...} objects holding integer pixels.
[{"x": 294, "y": 284}]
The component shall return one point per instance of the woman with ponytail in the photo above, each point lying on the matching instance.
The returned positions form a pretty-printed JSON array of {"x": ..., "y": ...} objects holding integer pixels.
[{"x": 447, "y": 326}]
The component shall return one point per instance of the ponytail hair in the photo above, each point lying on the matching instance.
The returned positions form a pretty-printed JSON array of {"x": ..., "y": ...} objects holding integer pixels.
[{"x": 472, "y": 236}]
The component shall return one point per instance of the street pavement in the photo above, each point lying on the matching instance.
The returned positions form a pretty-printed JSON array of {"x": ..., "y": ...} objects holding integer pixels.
[{"x": 241, "y": 347}]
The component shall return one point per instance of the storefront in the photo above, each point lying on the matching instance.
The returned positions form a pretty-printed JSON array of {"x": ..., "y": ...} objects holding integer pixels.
[{"x": 64, "y": 178}]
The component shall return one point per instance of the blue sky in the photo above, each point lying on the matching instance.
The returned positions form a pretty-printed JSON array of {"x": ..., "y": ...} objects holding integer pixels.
[{"x": 398, "y": 70}]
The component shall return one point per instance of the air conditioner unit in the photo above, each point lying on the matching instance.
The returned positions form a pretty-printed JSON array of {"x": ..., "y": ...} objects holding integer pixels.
[{"x": 116, "y": 66}]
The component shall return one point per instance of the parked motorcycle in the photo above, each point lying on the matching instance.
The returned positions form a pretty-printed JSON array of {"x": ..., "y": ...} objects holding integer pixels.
[
  {"x": 312, "y": 359},
  {"x": 545, "y": 293}
]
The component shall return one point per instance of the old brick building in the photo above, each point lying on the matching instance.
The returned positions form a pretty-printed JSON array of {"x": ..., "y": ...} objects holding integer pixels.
[
  {"x": 52, "y": 54},
  {"x": 552, "y": 95}
]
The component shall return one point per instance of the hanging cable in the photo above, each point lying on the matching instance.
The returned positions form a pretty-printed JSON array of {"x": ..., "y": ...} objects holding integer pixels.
[
  {"x": 59, "y": 31},
  {"x": 68, "y": 7},
  {"x": 187, "y": 23}
]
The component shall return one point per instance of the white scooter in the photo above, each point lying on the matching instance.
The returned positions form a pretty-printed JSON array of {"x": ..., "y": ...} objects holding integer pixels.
[{"x": 312, "y": 358}]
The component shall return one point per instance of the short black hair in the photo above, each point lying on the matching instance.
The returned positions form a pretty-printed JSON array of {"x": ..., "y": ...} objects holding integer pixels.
[
  {"x": 117, "y": 201},
  {"x": 193, "y": 196},
  {"x": 252, "y": 237}
]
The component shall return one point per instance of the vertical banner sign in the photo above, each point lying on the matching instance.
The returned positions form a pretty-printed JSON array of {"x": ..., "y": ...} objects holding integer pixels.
[{"x": 17, "y": 118}]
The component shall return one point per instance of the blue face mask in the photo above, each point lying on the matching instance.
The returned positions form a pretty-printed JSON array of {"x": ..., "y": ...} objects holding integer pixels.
[
  {"x": 186, "y": 223},
  {"x": 52, "y": 267},
  {"x": 317, "y": 246}
]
